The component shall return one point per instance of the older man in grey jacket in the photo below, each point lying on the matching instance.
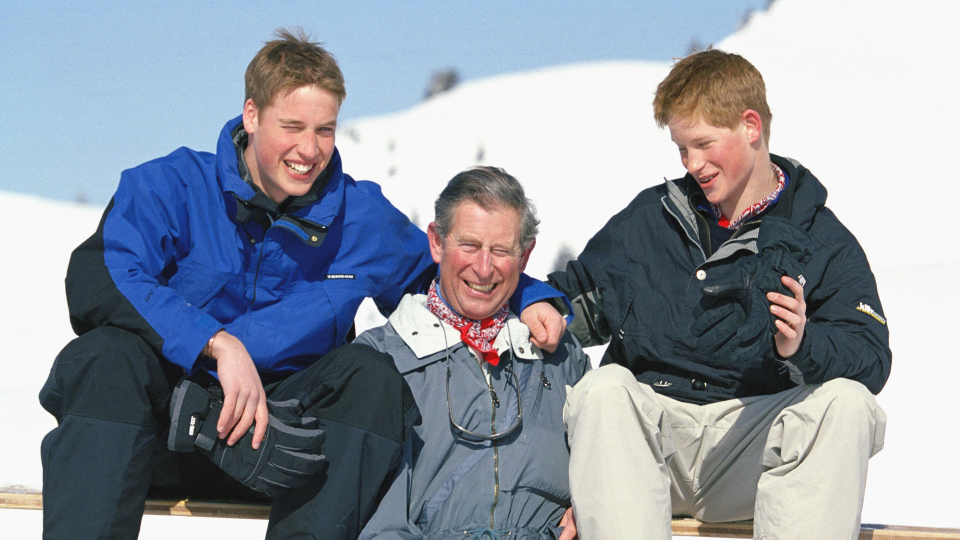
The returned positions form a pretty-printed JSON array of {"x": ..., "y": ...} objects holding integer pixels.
[{"x": 490, "y": 458}]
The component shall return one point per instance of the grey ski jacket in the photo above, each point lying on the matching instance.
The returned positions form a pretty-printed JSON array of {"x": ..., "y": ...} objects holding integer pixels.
[
  {"x": 637, "y": 284},
  {"x": 448, "y": 485}
]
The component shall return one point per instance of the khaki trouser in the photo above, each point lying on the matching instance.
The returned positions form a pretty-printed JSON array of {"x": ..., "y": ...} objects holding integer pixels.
[{"x": 794, "y": 462}]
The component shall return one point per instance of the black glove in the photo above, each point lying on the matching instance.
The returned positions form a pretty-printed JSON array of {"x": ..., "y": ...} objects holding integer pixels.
[
  {"x": 721, "y": 318},
  {"x": 734, "y": 322},
  {"x": 289, "y": 454}
]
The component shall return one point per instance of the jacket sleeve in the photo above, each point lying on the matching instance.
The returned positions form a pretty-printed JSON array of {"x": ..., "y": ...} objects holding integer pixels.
[
  {"x": 116, "y": 277},
  {"x": 396, "y": 252},
  {"x": 846, "y": 334},
  {"x": 530, "y": 291},
  {"x": 589, "y": 324},
  {"x": 578, "y": 363},
  {"x": 412, "y": 266},
  {"x": 600, "y": 282}
]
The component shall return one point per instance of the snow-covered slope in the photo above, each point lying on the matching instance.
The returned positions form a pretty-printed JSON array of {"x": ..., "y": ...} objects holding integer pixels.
[{"x": 862, "y": 93}]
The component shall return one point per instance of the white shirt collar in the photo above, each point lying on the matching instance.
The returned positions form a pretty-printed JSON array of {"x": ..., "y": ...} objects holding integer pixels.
[{"x": 426, "y": 334}]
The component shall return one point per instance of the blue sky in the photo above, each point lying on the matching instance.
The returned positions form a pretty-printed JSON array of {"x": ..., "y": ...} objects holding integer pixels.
[{"x": 91, "y": 88}]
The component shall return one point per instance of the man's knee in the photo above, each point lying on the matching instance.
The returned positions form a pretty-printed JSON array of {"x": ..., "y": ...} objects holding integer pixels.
[
  {"x": 359, "y": 386},
  {"x": 611, "y": 384},
  {"x": 611, "y": 393},
  {"x": 370, "y": 365},
  {"x": 851, "y": 403},
  {"x": 846, "y": 389},
  {"x": 837, "y": 413},
  {"x": 850, "y": 398},
  {"x": 107, "y": 373}
]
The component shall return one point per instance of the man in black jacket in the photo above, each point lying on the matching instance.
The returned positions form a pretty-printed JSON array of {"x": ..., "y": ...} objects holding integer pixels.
[{"x": 746, "y": 336}]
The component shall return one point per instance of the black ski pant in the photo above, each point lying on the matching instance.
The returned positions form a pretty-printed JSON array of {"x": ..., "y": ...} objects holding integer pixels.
[{"x": 110, "y": 392}]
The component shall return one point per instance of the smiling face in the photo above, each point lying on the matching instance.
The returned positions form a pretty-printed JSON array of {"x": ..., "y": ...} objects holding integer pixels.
[
  {"x": 291, "y": 140},
  {"x": 480, "y": 259},
  {"x": 731, "y": 166}
]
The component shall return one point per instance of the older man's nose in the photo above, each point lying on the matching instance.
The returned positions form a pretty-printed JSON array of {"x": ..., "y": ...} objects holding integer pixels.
[{"x": 483, "y": 266}]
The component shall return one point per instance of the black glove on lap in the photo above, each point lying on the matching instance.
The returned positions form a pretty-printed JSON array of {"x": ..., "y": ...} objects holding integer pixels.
[
  {"x": 733, "y": 322},
  {"x": 289, "y": 454}
]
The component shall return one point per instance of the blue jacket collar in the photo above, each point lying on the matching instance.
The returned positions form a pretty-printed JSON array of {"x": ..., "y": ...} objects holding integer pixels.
[{"x": 320, "y": 213}]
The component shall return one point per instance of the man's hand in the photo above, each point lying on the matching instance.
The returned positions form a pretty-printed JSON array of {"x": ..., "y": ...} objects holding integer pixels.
[
  {"x": 791, "y": 316},
  {"x": 569, "y": 524},
  {"x": 244, "y": 401},
  {"x": 546, "y": 325}
]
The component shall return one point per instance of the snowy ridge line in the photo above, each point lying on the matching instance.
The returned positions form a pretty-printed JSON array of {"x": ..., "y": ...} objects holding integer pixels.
[{"x": 21, "y": 498}]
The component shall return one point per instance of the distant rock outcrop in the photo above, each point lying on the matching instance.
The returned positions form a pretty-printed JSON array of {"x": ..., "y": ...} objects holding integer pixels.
[{"x": 441, "y": 81}]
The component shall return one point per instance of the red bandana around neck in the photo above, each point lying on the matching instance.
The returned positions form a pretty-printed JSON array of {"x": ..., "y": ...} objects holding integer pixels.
[
  {"x": 476, "y": 334},
  {"x": 755, "y": 208}
]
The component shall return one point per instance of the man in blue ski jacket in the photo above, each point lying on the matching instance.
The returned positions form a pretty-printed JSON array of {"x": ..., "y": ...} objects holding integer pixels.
[{"x": 213, "y": 306}]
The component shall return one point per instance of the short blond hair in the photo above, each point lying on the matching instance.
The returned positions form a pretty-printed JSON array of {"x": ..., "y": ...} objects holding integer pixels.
[
  {"x": 714, "y": 86},
  {"x": 288, "y": 63}
]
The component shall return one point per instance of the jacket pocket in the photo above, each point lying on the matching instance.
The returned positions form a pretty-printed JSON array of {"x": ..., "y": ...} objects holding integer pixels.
[{"x": 198, "y": 285}]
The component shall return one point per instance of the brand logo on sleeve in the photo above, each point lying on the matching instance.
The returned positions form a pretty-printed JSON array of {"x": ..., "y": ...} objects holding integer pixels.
[{"x": 871, "y": 312}]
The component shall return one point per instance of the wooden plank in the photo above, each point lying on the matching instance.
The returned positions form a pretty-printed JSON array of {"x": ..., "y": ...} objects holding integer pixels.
[
  {"x": 224, "y": 509},
  {"x": 692, "y": 527},
  {"x": 868, "y": 531},
  {"x": 19, "y": 497},
  {"x": 26, "y": 499}
]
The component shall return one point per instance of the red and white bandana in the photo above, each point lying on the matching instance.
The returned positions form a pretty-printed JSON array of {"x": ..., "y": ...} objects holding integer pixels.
[
  {"x": 754, "y": 209},
  {"x": 476, "y": 334}
]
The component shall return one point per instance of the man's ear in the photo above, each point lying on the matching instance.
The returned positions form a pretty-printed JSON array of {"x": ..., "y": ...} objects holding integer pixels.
[
  {"x": 250, "y": 116},
  {"x": 753, "y": 125},
  {"x": 436, "y": 244},
  {"x": 526, "y": 255}
]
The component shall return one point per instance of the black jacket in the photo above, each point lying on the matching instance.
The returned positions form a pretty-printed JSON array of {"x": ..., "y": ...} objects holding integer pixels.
[{"x": 636, "y": 286}]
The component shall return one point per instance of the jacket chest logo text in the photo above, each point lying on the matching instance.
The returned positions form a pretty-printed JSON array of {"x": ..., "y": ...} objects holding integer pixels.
[{"x": 341, "y": 276}]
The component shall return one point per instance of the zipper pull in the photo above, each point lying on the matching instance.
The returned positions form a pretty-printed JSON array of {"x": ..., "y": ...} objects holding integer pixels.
[
  {"x": 493, "y": 396},
  {"x": 543, "y": 379}
]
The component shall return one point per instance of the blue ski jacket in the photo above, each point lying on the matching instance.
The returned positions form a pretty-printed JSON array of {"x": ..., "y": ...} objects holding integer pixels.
[{"x": 183, "y": 251}]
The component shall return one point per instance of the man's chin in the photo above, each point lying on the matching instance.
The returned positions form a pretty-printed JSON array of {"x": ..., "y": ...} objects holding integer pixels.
[{"x": 481, "y": 311}]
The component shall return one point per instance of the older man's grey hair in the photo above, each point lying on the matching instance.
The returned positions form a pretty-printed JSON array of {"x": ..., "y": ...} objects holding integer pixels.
[{"x": 491, "y": 188}]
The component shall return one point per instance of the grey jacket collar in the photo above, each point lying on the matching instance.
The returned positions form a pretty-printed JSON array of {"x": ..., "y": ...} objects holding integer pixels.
[
  {"x": 426, "y": 334},
  {"x": 677, "y": 203}
]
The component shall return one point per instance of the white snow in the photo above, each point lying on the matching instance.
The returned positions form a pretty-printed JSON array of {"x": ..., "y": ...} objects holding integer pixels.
[{"x": 862, "y": 93}]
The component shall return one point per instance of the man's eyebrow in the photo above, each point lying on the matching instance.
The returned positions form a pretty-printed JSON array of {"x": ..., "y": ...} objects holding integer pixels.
[
  {"x": 695, "y": 140},
  {"x": 300, "y": 123}
]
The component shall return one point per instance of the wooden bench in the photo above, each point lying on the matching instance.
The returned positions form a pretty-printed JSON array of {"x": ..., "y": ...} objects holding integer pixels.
[
  {"x": 25, "y": 498},
  {"x": 22, "y": 498}
]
